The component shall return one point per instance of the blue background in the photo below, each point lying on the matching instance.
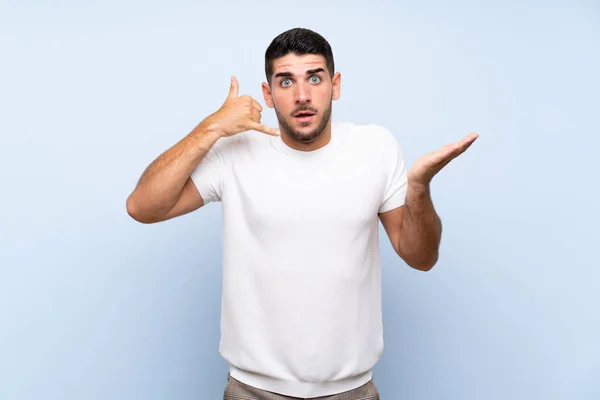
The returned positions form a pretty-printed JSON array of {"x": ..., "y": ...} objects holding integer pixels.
[{"x": 96, "y": 306}]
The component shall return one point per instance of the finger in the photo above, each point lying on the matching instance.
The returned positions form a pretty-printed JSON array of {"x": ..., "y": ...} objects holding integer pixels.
[
  {"x": 234, "y": 88},
  {"x": 450, "y": 151},
  {"x": 255, "y": 115},
  {"x": 464, "y": 144},
  {"x": 460, "y": 148},
  {"x": 263, "y": 128},
  {"x": 257, "y": 105},
  {"x": 453, "y": 150},
  {"x": 469, "y": 139},
  {"x": 472, "y": 137},
  {"x": 446, "y": 154},
  {"x": 446, "y": 162}
]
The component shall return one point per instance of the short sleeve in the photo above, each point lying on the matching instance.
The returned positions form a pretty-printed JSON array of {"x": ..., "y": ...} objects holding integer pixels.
[
  {"x": 396, "y": 173},
  {"x": 209, "y": 175}
]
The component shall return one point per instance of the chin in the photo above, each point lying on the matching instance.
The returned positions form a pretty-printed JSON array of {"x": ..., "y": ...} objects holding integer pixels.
[
  {"x": 303, "y": 132},
  {"x": 306, "y": 137},
  {"x": 305, "y": 129}
]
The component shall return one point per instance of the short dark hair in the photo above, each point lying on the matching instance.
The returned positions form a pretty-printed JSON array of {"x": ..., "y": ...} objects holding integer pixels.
[{"x": 298, "y": 41}]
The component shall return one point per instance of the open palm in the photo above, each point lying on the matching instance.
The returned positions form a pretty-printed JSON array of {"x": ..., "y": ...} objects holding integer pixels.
[{"x": 427, "y": 166}]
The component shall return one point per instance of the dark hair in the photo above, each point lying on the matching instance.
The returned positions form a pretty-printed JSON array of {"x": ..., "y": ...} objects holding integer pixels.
[{"x": 298, "y": 41}]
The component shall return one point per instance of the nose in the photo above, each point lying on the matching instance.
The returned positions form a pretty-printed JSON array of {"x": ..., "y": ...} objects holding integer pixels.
[{"x": 302, "y": 94}]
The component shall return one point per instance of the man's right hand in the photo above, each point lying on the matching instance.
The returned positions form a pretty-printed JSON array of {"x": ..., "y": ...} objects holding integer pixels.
[{"x": 239, "y": 114}]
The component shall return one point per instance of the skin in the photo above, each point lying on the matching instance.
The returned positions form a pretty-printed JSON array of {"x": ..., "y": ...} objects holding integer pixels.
[
  {"x": 415, "y": 229},
  {"x": 165, "y": 189},
  {"x": 302, "y": 83}
]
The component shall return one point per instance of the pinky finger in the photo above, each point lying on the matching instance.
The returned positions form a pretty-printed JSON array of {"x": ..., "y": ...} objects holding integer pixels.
[{"x": 265, "y": 129}]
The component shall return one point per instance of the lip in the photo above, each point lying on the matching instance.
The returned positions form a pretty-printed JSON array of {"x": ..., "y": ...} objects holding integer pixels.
[
  {"x": 307, "y": 112},
  {"x": 304, "y": 118}
]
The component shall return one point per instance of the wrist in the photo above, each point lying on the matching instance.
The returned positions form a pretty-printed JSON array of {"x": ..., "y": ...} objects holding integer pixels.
[
  {"x": 212, "y": 127},
  {"x": 418, "y": 186},
  {"x": 213, "y": 132},
  {"x": 207, "y": 134}
]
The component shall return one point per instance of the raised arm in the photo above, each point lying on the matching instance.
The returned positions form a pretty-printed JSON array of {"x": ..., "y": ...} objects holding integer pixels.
[
  {"x": 165, "y": 189},
  {"x": 415, "y": 229}
]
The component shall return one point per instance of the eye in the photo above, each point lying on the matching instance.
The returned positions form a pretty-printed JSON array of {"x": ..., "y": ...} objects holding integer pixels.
[
  {"x": 315, "y": 79},
  {"x": 286, "y": 82}
]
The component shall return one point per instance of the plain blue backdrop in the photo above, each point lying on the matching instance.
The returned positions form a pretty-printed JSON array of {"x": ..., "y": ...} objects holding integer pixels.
[{"x": 96, "y": 306}]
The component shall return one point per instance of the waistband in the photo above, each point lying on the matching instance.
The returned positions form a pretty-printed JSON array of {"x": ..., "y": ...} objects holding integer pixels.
[{"x": 299, "y": 389}]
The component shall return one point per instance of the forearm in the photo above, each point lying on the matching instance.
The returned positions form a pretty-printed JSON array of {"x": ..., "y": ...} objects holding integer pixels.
[
  {"x": 162, "y": 182},
  {"x": 421, "y": 229}
]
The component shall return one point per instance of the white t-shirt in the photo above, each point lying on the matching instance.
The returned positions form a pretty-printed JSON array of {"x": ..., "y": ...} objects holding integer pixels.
[{"x": 301, "y": 303}]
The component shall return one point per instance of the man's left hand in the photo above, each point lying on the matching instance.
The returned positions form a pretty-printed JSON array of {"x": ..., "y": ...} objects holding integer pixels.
[{"x": 426, "y": 167}]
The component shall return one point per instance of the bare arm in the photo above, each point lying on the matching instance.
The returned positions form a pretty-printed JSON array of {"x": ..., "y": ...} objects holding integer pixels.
[
  {"x": 415, "y": 229},
  {"x": 166, "y": 189}
]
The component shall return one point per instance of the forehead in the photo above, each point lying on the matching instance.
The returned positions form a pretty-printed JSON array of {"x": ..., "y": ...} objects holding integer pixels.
[{"x": 298, "y": 65}]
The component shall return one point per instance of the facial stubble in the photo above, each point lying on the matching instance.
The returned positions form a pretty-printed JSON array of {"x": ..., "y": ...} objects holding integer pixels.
[{"x": 301, "y": 137}]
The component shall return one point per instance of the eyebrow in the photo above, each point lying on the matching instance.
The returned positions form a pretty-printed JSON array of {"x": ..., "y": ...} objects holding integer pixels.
[{"x": 289, "y": 74}]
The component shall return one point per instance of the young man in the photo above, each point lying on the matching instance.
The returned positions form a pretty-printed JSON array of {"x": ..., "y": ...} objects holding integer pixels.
[{"x": 301, "y": 311}]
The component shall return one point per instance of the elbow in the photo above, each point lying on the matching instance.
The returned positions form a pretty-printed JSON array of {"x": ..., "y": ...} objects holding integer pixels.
[
  {"x": 136, "y": 212},
  {"x": 424, "y": 263}
]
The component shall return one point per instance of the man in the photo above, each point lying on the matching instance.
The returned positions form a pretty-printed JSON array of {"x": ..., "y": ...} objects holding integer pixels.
[{"x": 301, "y": 310}]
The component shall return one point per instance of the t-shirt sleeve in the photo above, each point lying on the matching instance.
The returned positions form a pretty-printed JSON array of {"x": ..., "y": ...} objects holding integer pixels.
[
  {"x": 209, "y": 175},
  {"x": 396, "y": 173}
]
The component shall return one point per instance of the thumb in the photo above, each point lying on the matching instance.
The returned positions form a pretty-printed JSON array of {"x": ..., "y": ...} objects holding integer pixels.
[{"x": 233, "y": 89}]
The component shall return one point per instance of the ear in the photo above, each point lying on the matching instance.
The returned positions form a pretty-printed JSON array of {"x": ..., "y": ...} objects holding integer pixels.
[
  {"x": 336, "y": 83},
  {"x": 266, "y": 90}
]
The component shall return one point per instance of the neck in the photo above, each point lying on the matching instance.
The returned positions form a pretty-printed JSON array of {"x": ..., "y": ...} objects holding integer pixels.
[{"x": 319, "y": 142}]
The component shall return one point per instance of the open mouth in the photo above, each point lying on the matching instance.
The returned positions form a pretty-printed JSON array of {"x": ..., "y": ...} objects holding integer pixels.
[{"x": 304, "y": 116}]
